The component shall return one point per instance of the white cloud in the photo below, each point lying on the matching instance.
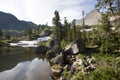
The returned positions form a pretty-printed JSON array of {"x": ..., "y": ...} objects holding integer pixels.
[{"x": 42, "y": 11}]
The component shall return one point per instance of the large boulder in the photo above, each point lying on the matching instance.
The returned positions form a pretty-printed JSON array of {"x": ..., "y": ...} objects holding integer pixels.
[
  {"x": 58, "y": 60},
  {"x": 54, "y": 48},
  {"x": 41, "y": 49},
  {"x": 77, "y": 46},
  {"x": 80, "y": 44}
]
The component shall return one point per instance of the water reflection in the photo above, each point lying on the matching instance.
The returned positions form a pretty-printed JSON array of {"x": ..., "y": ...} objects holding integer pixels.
[
  {"x": 11, "y": 56},
  {"x": 37, "y": 69}
]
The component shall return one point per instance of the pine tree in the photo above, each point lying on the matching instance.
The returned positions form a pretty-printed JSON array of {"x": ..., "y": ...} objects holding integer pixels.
[
  {"x": 1, "y": 33},
  {"x": 65, "y": 29},
  {"x": 74, "y": 31},
  {"x": 105, "y": 36},
  {"x": 83, "y": 25},
  {"x": 57, "y": 26}
]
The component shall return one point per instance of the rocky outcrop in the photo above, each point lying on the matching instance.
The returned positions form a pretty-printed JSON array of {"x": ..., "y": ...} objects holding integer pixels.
[
  {"x": 91, "y": 18},
  {"x": 58, "y": 60},
  {"x": 56, "y": 69},
  {"x": 41, "y": 49},
  {"x": 54, "y": 48},
  {"x": 115, "y": 20},
  {"x": 66, "y": 59},
  {"x": 76, "y": 47}
]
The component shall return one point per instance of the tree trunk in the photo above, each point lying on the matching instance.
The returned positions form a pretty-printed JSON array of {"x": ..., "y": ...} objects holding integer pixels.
[{"x": 110, "y": 6}]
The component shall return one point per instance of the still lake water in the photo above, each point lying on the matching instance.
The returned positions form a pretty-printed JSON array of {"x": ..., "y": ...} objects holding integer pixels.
[{"x": 17, "y": 63}]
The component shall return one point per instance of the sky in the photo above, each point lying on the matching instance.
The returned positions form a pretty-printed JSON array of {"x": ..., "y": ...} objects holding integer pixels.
[{"x": 42, "y": 11}]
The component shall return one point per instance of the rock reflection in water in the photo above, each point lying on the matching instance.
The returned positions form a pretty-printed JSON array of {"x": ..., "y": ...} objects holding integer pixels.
[{"x": 37, "y": 69}]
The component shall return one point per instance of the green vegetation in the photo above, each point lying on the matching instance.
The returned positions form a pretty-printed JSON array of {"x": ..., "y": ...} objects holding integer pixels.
[
  {"x": 107, "y": 68},
  {"x": 110, "y": 6},
  {"x": 57, "y": 26},
  {"x": 102, "y": 42}
]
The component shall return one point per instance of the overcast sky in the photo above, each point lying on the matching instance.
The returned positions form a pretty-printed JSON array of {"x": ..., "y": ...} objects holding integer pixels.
[{"x": 42, "y": 11}]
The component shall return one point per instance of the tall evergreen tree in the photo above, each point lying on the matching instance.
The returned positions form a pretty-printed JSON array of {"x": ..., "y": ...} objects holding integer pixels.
[
  {"x": 83, "y": 25},
  {"x": 1, "y": 33},
  {"x": 83, "y": 14},
  {"x": 65, "y": 29},
  {"x": 28, "y": 31},
  {"x": 74, "y": 31},
  {"x": 106, "y": 30},
  {"x": 117, "y": 3},
  {"x": 57, "y": 26},
  {"x": 105, "y": 24}
]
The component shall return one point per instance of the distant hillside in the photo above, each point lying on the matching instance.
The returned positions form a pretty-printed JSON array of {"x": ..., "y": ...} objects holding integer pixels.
[
  {"x": 10, "y": 22},
  {"x": 91, "y": 18}
]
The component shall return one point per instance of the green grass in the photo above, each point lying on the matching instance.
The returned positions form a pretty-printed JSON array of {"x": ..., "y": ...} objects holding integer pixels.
[{"x": 107, "y": 68}]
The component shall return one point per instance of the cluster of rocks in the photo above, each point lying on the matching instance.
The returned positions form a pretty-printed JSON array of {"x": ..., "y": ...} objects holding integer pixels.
[
  {"x": 83, "y": 66},
  {"x": 66, "y": 59}
]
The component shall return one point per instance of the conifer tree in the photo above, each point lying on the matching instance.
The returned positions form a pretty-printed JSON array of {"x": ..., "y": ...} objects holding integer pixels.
[
  {"x": 1, "y": 33},
  {"x": 65, "y": 29},
  {"x": 57, "y": 26}
]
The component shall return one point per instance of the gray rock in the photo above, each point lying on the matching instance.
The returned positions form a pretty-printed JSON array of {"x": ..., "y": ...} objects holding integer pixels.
[
  {"x": 80, "y": 44},
  {"x": 54, "y": 48},
  {"x": 58, "y": 60},
  {"x": 41, "y": 49},
  {"x": 91, "y": 18},
  {"x": 56, "y": 69},
  {"x": 76, "y": 47},
  {"x": 91, "y": 67},
  {"x": 78, "y": 62},
  {"x": 115, "y": 20}
]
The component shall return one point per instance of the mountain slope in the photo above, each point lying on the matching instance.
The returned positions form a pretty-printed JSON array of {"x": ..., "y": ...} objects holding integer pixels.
[{"x": 10, "y": 22}]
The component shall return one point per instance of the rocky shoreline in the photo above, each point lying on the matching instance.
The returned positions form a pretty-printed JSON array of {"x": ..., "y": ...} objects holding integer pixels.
[
  {"x": 73, "y": 62},
  {"x": 65, "y": 61}
]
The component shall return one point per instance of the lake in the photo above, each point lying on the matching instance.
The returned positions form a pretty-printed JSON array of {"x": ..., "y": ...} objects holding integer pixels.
[{"x": 18, "y": 63}]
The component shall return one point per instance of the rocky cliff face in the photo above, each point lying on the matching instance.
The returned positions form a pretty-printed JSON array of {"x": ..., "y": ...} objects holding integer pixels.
[
  {"x": 10, "y": 22},
  {"x": 92, "y": 18},
  {"x": 115, "y": 20}
]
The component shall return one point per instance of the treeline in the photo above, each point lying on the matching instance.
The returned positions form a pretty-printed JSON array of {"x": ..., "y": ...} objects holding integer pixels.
[
  {"x": 67, "y": 31},
  {"x": 39, "y": 31},
  {"x": 4, "y": 35}
]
